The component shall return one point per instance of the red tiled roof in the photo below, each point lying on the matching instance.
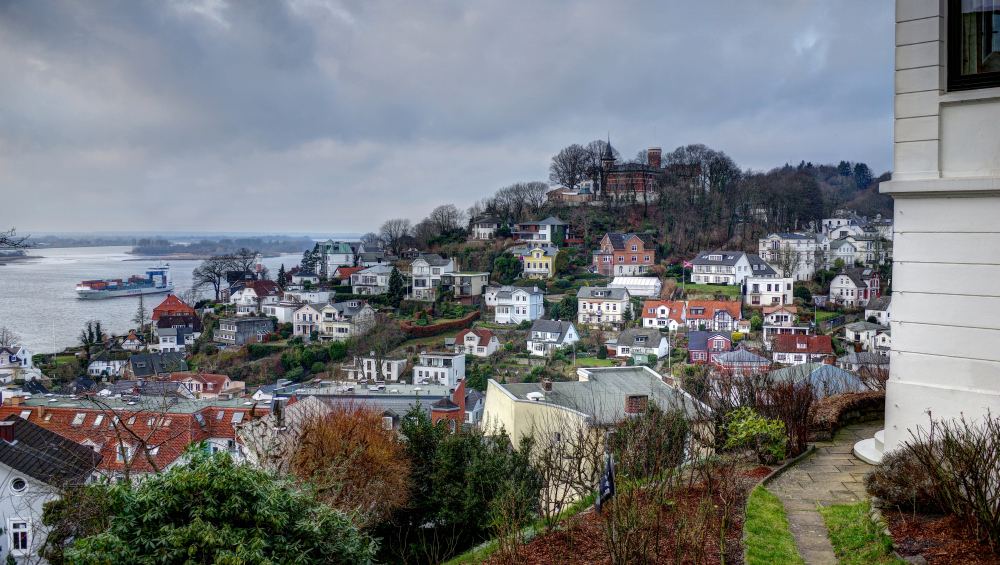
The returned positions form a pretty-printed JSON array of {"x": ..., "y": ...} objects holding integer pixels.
[
  {"x": 265, "y": 288},
  {"x": 346, "y": 272},
  {"x": 484, "y": 336},
  {"x": 675, "y": 309},
  {"x": 170, "y": 432},
  {"x": 773, "y": 309},
  {"x": 213, "y": 383},
  {"x": 815, "y": 344},
  {"x": 172, "y": 306},
  {"x": 711, "y": 307}
]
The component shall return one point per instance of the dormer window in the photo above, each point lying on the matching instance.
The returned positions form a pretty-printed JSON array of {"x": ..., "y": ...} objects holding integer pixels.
[
  {"x": 802, "y": 345},
  {"x": 715, "y": 257}
]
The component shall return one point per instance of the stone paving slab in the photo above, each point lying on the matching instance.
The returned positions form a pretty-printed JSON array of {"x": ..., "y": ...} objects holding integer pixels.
[{"x": 830, "y": 476}]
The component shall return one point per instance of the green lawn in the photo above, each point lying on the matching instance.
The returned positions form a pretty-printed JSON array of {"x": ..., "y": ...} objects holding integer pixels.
[
  {"x": 768, "y": 536},
  {"x": 855, "y": 538},
  {"x": 824, "y": 316},
  {"x": 726, "y": 289},
  {"x": 594, "y": 362}
]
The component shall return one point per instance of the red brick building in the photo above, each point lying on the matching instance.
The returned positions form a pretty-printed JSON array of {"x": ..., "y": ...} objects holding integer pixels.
[{"x": 625, "y": 254}]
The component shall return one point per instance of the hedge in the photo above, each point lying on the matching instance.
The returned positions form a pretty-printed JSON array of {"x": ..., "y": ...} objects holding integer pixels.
[
  {"x": 829, "y": 414},
  {"x": 410, "y": 329},
  {"x": 257, "y": 350}
]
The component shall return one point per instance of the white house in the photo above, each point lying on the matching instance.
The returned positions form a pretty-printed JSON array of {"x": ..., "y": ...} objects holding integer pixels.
[
  {"x": 372, "y": 280},
  {"x": 836, "y": 228},
  {"x": 15, "y": 361},
  {"x": 366, "y": 368},
  {"x": 484, "y": 228},
  {"x": 481, "y": 343},
  {"x": 306, "y": 320},
  {"x": 854, "y": 287},
  {"x": 797, "y": 255},
  {"x": 305, "y": 276},
  {"x": 863, "y": 333},
  {"x": 435, "y": 367},
  {"x": 108, "y": 362},
  {"x": 426, "y": 271},
  {"x": 548, "y": 335},
  {"x": 641, "y": 341},
  {"x": 28, "y": 483},
  {"x": 343, "y": 320},
  {"x": 251, "y": 300},
  {"x": 602, "y": 306},
  {"x": 336, "y": 254},
  {"x": 720, "y": 267},
  {"x": 283, "y": 311},
  {"x": 881, "y": 309},
  {"x": 663, "y": 314},
  {"x": 304, "y": 296},
  {"x": 515, "y": 304},
  {"x": 176, "y": 339},
  {"x": 544, "y": 233},
  {"x": 767, "y": 291},
  {"x": 782, "y": 320}
]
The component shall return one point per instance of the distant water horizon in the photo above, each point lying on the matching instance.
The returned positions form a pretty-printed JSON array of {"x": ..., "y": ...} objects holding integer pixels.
[{"x": 38, "y": 295}]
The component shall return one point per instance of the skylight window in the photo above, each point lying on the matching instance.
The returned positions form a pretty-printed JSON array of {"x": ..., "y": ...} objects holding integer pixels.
[{"x": 78, "y": 419}]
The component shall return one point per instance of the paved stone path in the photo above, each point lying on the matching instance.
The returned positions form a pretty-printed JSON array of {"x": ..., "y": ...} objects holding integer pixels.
[{"x": 832, "y": 475}]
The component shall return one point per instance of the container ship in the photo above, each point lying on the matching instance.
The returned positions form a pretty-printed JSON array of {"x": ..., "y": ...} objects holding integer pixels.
[{"x": 157, "y": 280}]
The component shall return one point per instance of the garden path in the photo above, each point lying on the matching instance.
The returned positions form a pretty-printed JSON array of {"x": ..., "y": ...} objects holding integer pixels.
[{"x": 831, "y": 475}]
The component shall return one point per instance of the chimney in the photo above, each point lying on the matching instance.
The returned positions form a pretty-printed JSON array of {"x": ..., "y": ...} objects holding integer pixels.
[
  {"x": 7, "y": 431},
  {"x": 41, "y": 412},
  {"x": 547, "y": 385},
  {"x": 653, "y": 156},
  {"x": 16, "y": 400},
  {"x": 636, "y": 404}
]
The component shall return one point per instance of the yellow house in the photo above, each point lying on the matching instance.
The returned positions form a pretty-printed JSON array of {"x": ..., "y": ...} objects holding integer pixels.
[
  {"x": 573, "y": 417},
  {"x": 540, "y": 262}
]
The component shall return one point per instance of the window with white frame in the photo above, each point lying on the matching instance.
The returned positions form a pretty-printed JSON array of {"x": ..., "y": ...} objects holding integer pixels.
[{"x": 19, "y": 535}]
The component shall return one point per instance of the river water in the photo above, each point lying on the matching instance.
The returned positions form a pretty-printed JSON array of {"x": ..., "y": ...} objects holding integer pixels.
[{"x": 38, "y": 296}]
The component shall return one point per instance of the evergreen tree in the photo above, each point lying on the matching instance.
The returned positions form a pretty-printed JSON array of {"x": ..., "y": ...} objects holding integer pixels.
[
  {"x": 397, "y": 287},
  {"x": 281, "y": 275}
]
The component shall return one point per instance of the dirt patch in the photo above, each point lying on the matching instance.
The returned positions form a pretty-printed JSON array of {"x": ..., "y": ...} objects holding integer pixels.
[{"x": 941, "y": 539}]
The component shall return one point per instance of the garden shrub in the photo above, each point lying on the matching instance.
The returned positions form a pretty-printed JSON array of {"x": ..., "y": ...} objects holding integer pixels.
[
  {"x": 211, "y": 349},
  {"x": 738, "y": 336},
  {"x": 295, "y": 374},
  {"x": 749, "y": 430},
  {"x": 412, "y": 330},
  {"x": 902, "y": 481},
  {"x": 256, "y": 350},
  {"x": 317, "y": 367}
]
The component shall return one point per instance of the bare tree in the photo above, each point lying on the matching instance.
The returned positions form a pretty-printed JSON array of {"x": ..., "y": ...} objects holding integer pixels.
[
  {"x": 394, "y": 232},
  {"x": 379, "y": 341},
  {"x": 212, "y": 273},
  {"x": 446, "y": 217},
  {"x": 569, "y": 166},
  {"x": 8, "y": 337},
  {"x": 372, "y": 238},
  {"x": 10, "y": 240},
  {"x": 787, "y": 259},
  {"x": 245, "y": 260}
]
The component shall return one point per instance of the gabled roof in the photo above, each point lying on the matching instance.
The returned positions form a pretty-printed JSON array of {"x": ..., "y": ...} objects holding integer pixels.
[
  {"x": 864, "y": 358},
  {"x": 150, "y": 364},
  {"x": 265, "y": 288},
  {"x": 863, "y": 326},
  {"x": 609, "y": 293},
  {"x": 618, "y": 239},
  {"x": 550, "y": 221},
  {"x": 796, "y": 235},
  {"x": 433, "y": 259},
  {"x": 190, "y": 320},
  {"x": 824, "y": 378},
  {"x": 83, "y": 383},
  {"x": 346, "y": 272},
  {"x": 559, "y": 327},
  {"x": 213, "y": 383},
  {"x": 483, "y": 336},
  {"x": 759, "y": 267},
  {"x": 729, "y": 258},
  {"x": 772, "y": 309},
  {"x": 858, "y": 276},
  {"x": 675, "y": 309},
  {"x": 630, "y": 337},
  {"x": 45, "y": 455},
  {"x": 712, "y": 307},
  {"x": 740, "y": 355},
  {"x": 34, "y": 387},
  {"x": 698, "y": 341},
  {"x": 151, "y": 388},
  {"x": 306, "y": 273},
  {"x": 173, "y": 306},
  {"x": 376, "y": 270},
  {"x": 472, "y": 396},
  {"x": 814, "y": 344},
  {"x": 346, "y": 309},
  {"x": 880, "y": 304}
]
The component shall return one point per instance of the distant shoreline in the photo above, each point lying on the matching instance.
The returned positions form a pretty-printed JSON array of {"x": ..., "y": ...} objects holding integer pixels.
[{"x": 18, "y": 258}]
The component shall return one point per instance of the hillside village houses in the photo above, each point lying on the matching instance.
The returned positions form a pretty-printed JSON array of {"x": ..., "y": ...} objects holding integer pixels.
[
  {"x": 799, "y": 349},
  {"x": 435, "y": 367},
  {"x": 372, "y": 280},
  {"x": 484, "y": 228},
  {"x": 797, "y": 255},
  {"x": 426, "y": 271},
  {"x": 640, "y": 344},
  {"x": 344, "y": 320},
  {"x": 599, "y": 306},
  {"x": 240, "y": 331},
  {"x": 624, "y": 254},
  {"x": 853, "y": 287},
  {"x": 782, "y": 320},
  {"x": 515, "y": 304},
  {"x": 465, "y": 287},
  {"x": 549, "y": 232},
  {"x": 663, "y": 314},
  {"x": 881, "y": 309},
  {"x": 545, "y": 336},
  {"x": 481, "y": 343},
  {"x": 365, "y": 368},
  {"x": 537, "y": 262},
  {"x": 254, "y": 295}
]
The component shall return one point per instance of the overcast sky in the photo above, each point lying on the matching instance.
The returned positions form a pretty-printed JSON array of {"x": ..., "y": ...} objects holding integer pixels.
[{"x": 324, "y": 116}]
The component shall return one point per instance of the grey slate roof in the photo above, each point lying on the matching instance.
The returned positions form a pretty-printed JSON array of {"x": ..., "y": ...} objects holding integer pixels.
[
  {"x": 858, "y": 276},
  {"x": 863, "y": 326},
  {"x": 602, "y": 396},
  {"x": 698, "y": 341},
  {"x": 434, "y": 260},
  {"x": 880, "y": 304},
  {"x": 34, "y": 387},
  {"x": 863, "y": 358},
  {"x": 759, "y": 267},
  {"x": 83, "y": 383},
  {"x": 47, "y": 456},
  {"x": 488, "y": 220},
  {"x": 472, "y": 396},
  {"x": 376, "y": 270},
  {"x": 787, "y": 235},
  {"x": 153, "y": 363},
  {"x": 652, "y": 335},
  {"x": 825, "y": 379},
  {"x": 741, "y": 355},
  {"x": 618, "y": 239},
  {"x": 151, "y": 388},
  {"x": 346, "y": 309},
  {"x": 551, "y": 326},
  {"x": 611, "y": 293},
  {"x": 729, "y": 258}
]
